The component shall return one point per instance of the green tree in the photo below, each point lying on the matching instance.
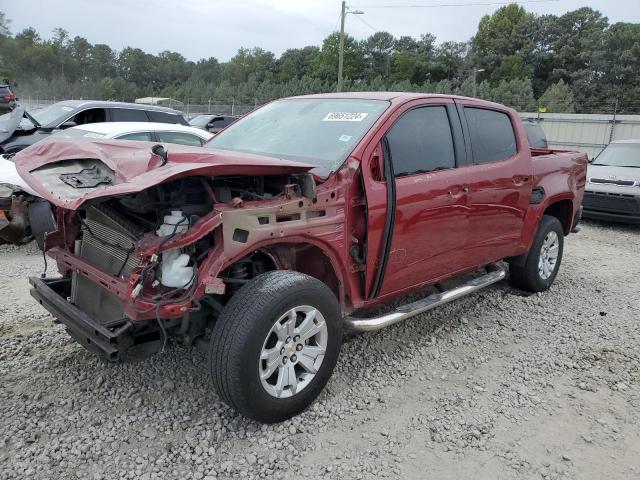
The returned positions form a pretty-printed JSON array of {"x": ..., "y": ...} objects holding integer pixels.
[
  {"x": 324, "y": 65},
  {"x": 4, "y": 25},
  {"x": 510, "y": 31},
  {"x": 377, "y": 51},
  {"x": 558, "y": 98}
]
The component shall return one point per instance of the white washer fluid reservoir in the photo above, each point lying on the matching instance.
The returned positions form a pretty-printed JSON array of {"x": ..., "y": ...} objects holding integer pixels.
[
  {"x": 174, "y": 223},
  {"x": 175, "y": 271}
]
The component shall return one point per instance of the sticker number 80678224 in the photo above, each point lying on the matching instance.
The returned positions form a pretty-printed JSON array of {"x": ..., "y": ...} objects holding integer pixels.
[{"x": 345, "y": 117}]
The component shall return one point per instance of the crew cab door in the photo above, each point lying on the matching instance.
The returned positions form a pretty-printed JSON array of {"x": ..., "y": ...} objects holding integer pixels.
[
  {"x": 500, "y": 182},
  {"x": 426, "y": 195}
]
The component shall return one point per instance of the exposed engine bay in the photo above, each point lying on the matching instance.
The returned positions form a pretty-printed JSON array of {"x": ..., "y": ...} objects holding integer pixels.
[{"x": 116, "y": 236}]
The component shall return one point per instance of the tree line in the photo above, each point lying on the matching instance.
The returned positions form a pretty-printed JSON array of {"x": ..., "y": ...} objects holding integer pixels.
[{"x": 576, "y": 62}]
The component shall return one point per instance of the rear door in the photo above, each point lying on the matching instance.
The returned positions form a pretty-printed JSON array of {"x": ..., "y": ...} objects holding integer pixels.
[
  {"x": 499, "y": 182},
  {"x": 422, "y": 150}
]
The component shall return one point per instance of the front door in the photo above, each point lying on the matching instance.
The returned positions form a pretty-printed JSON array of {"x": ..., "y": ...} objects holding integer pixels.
[{"x": 429, "y": 230}]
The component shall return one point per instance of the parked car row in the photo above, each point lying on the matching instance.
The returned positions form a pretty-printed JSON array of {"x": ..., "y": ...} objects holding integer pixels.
[{"x": 82, "y": 120}]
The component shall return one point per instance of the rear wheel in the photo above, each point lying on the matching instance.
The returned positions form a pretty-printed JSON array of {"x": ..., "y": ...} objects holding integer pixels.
[
  {"x": 275, "y": 345},
  {"x": 543, "y": 261}
]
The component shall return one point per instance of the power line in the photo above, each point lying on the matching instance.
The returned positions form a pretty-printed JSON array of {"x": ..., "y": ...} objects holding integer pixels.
[
  {"x": 367, "y": 23},
  {"x": 439, "y": 5}
]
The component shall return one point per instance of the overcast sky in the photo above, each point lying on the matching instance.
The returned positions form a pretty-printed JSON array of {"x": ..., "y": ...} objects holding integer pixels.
[{"x": 206, "y": 28}]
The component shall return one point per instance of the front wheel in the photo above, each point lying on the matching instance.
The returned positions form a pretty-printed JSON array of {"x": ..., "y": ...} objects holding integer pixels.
[
  {"x": 543, "y": 261},
  {"x": 275, "y": 345}
]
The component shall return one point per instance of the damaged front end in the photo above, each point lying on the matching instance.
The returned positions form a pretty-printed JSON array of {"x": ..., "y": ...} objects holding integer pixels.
[{"x": 141, "y": 265}]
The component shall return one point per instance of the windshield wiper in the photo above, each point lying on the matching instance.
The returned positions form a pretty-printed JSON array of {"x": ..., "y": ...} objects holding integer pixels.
[{"x": 32, "y": 120}]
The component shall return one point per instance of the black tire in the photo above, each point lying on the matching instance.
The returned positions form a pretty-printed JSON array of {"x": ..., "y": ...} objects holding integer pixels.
[
  {"x": 41, "y": 220},
  {"x": 528, "y": 276},
  {"x": 240, "y": 333}
]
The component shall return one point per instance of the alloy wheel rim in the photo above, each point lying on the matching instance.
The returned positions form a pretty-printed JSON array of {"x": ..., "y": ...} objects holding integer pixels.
[
  {"x": 548, "y": 255},
  {"x": 293, "y": 351}
]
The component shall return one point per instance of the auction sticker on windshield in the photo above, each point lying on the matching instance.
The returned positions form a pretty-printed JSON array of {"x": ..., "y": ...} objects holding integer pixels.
[{"x": 345, "y": 117}]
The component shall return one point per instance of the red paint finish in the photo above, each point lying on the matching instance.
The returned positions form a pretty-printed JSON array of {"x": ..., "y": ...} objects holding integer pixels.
[{"x": 446, "y": 222}]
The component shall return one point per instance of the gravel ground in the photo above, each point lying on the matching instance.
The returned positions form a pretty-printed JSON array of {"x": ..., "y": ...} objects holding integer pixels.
[{"x": 499, "y": 385}]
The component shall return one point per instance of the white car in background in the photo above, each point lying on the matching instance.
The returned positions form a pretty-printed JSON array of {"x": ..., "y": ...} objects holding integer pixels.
[{"x": 141, "y": 131}]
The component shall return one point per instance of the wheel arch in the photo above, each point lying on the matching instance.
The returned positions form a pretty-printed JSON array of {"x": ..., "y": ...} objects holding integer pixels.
[
  {"x": 562, "y": 209},
  {"x": 303, "y": 255}
]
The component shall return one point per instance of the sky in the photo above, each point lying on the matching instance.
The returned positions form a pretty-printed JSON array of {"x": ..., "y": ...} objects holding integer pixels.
[{"x": 217, "y": 28}]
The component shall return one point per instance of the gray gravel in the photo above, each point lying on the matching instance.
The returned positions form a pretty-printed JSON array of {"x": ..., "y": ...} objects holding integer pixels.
[{"x": 497, "y": 385}]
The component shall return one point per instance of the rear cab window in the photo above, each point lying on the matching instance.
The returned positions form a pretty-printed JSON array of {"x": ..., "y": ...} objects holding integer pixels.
[
  {"x": 421, "y": 141},
  {"x": 492, "y": 135}
]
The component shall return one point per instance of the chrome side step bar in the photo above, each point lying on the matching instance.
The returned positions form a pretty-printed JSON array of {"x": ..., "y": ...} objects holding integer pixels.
[{"x": 494, "y": 274}]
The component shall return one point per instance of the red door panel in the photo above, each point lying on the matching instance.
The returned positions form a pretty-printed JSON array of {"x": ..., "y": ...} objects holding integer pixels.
[
  {"x": 499, "y": 188},
  {"x": 430, "y": 230}
]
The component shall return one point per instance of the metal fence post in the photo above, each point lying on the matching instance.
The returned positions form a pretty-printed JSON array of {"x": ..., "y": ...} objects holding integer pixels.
[{"x": 613, "y": 121}]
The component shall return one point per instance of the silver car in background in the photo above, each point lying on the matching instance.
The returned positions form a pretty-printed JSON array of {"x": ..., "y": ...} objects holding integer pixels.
[{"x": 613, "y": 184}]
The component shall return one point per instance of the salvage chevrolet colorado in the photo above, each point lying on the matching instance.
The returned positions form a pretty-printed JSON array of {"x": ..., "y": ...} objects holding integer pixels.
[{"x": 290, "y": 225}]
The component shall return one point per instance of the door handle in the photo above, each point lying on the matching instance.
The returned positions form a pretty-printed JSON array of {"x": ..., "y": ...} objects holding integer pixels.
[{"x": 465, "y": 189}]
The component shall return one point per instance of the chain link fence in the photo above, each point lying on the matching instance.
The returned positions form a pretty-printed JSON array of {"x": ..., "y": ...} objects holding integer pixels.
[{"x": 218, "y": 107}]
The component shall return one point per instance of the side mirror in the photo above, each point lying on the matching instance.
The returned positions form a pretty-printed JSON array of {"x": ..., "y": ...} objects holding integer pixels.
[
  {"x": 67, "y": 124},
  {"x": 210, "y": 125}
]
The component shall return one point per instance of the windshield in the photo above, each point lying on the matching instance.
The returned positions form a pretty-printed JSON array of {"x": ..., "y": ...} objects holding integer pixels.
[
  {"x": 318, "y": 131},
  {"x": 76, "y": 133},
  {"x": 45, "y": 116},
  {"x": 620, "y": 155},
  {"x": 200, "y": 121}
]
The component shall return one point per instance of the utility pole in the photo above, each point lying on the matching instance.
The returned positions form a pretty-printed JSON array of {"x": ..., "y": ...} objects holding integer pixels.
[
  {"x": 341, "y": 48},
  {"x": 343, "y": 15}
]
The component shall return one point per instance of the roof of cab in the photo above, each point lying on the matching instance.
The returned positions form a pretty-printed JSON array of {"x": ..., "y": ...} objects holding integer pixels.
[{"x": 394, "y": 97}]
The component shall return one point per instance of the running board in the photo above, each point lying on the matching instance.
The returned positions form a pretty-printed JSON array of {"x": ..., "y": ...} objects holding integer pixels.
[{"x": 494, "y": 274}]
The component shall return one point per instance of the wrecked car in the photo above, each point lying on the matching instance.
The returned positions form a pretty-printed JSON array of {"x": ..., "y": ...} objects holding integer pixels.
[{"x": 290, "y": 226}]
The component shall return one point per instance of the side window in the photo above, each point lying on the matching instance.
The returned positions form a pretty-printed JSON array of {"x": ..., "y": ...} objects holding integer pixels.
[
  {"x": 421, "y": 141},
  {"x": 163, "y": 117},
  {"x": 92, "y": 115},
  {"x": 492, "y": 135},
  {"x": 180, "y": 138},
  {"x": 128, "y": 115},
  {"x": 140, "y": 136},
  {"x": 222, "y": 122}
]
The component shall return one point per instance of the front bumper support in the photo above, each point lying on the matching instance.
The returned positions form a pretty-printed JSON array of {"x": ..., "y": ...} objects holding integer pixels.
[{"x": 107, "y": 341}]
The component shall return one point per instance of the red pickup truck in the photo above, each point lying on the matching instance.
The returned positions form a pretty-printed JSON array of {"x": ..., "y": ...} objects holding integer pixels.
[{"x": 282, "y": 232}]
